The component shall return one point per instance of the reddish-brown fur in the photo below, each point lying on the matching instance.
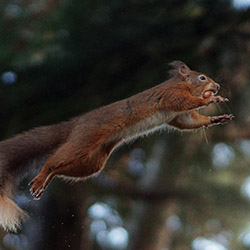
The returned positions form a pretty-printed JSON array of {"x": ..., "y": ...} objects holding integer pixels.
[
  {"x": 81, "y": 147},
  {"x": 94, "y": 137}
]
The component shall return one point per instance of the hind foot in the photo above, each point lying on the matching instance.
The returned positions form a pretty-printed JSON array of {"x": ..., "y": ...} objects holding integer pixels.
[
  {"x": 37, "y": 187},
  {"x": 39, "y": 184}
]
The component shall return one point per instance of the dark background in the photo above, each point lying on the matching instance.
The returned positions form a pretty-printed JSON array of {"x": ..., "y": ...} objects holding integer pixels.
[{"x": 169, "y": 191}]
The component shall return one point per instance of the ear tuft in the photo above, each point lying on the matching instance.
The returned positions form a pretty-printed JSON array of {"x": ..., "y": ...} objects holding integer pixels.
[
  {"x": 176, "y": 64},
  {"x": 180, "y": 67}
]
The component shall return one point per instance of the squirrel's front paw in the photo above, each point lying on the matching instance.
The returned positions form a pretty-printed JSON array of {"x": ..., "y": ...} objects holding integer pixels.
[
  {"x": 220, "y": 99},
  {"x": 216, "y": 99},
  {"x": 222, "y": 119}
]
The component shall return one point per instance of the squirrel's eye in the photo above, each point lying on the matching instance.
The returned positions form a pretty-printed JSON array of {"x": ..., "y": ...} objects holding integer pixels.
[{"x": 202, "y": 78}]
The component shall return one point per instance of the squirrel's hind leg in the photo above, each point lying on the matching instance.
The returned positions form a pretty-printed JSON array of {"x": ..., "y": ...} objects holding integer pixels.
[
  {"x": 77, "y": 169},
  {"x": 40, "y": 183},
  {"x": 72, "y": 163}
]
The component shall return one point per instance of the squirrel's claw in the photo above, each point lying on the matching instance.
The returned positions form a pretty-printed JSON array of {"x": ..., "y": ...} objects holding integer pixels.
[
  {"x": 216, "y": 99},
  {"x": 220, "y": 99},
  {"x": 222, "y": 119},
  {"x": 37, "y": 188}
]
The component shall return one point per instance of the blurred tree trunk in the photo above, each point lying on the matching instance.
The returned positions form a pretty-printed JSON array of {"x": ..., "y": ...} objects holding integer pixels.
[
  {"x": 62, "y": 225},
  {"x": 148, "y": 224},
  {"x": 85, "y": 243}
]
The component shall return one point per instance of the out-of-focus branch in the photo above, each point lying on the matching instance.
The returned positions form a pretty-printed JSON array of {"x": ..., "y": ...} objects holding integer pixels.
[
  {"x": 205, "y": 194},
  {"x": 107, "y": 184},
  {"x": 232, "y": 133}
]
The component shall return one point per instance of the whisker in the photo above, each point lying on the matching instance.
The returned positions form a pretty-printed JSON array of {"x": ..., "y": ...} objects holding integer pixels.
[
  {"x": 228, "y": 108},
  {"x": 205, "y": 135},
  {"x": 218, "y": 107}
]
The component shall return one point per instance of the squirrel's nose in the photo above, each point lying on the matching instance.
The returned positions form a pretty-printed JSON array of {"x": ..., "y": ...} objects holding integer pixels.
[{"x": 217, "y": 86}]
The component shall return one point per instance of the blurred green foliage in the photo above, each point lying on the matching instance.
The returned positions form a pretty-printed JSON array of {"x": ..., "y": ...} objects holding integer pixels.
[{"x": 68, "y": 57}]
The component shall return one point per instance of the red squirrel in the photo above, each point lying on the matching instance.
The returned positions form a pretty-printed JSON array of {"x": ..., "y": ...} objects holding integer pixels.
[{"x": 80, "y": 147}]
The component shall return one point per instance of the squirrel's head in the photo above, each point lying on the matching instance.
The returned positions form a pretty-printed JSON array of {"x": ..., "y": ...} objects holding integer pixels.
[{"x": 201, "y": 85}]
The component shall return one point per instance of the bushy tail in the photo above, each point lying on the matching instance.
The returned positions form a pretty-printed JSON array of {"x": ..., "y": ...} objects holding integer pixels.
[
  {"x": 11, "y": 215},
  {"x": 19, "y": 151},
  {"x": 16, "y": 158}
]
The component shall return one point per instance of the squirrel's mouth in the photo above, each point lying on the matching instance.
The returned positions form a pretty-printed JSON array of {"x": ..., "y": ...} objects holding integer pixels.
[
  {"x": 209, "y": 92},
  {"x": 212, "y": 91}
]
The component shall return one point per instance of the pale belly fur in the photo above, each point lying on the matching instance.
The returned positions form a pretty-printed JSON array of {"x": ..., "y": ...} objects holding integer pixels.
[{"x": 149, "y": 125}]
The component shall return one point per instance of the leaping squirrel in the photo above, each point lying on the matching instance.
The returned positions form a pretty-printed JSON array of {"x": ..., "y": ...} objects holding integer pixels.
[{"x": 80, "y": 147}]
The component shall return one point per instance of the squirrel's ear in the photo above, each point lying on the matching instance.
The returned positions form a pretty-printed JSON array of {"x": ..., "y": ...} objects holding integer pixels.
[{"x": 181, "y": 68}]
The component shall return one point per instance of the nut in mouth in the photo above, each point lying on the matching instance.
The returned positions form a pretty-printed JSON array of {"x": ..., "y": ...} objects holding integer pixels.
[{"x": 209, "y": 92}]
